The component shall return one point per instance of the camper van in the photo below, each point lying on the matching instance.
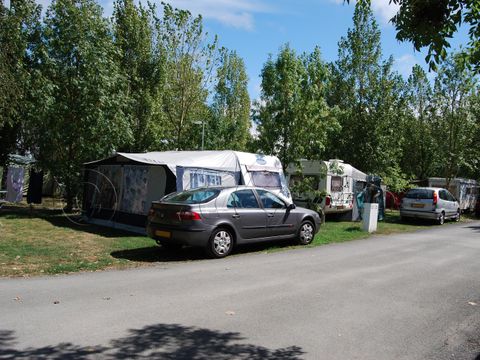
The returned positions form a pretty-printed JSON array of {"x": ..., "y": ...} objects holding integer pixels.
[
  {"x": 121, "y": 188},
  {"x": 464, "y": 190},
  {"x": 340, "y": 182}
]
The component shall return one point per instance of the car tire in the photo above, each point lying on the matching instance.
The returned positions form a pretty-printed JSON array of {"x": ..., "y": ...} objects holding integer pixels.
[
  {"x": 306, "y": 233},
  {"x": 457, "y": 217},
  {"x": 220, "y": 244},
  {"x": 441, "y": 219}
]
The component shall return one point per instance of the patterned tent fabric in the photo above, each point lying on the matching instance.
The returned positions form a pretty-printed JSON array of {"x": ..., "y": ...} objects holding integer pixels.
[{"x": 15, "y": 178}]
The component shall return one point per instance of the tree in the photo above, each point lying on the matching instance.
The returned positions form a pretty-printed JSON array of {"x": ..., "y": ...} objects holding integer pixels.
[
  {"x": 419, "y": 149},
  {"x": 230, "y": 121},
  {"x": 189, "y": 62},
  {"x": 473, "y": 170},
  {"x": 370, "y": 97},
  {"x": 84, "y": 120},
  {"x": 455, "y": 87},
  {"x": 143, "y": 70},
  {"x": 292, "y": 116},
  {"x": 430, "y": 23},
  {"x": 19, "y": 32}
]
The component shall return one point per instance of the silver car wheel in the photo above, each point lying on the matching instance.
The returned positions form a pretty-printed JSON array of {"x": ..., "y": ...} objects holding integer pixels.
[
  {"x": 306, "y": 233},
  {"x": 222, "y": 242},
  {"x": 441, "y": 219}
]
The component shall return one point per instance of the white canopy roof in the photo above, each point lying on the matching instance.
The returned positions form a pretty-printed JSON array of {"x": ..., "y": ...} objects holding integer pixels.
[{"x": 222, "y": 160}]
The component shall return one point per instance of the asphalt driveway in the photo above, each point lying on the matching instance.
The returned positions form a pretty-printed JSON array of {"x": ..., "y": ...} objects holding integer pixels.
[{"x": 406, "y": 296}]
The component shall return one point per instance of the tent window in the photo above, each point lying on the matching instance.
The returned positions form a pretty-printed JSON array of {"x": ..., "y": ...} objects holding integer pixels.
[
  {"x": 204, "y": 180},
  {"x": 266, "y": 179}
]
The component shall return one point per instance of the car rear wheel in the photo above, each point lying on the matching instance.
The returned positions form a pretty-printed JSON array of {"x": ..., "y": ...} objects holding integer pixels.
[
  {"x": 220, "y": 244},
  {"x": 441, "y": 219},
  {"x": 306, "y": 233}
]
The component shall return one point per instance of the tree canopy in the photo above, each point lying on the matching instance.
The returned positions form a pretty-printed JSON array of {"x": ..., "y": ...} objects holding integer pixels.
[
  {"x": 432, "y": 23},
  {"x": 76, "y": 86}
]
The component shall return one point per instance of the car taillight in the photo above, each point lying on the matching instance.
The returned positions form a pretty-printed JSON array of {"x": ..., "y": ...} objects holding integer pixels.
[
  {"x": 188, "y": 215},
  {"x": 328, "y": 201},
  {"x": 435, "y": 198}
]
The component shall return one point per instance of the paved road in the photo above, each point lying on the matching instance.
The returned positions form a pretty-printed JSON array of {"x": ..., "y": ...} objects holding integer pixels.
[{"x": 408, "y": 296}]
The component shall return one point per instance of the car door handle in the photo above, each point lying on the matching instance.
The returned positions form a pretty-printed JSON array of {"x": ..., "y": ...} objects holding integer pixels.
[
  {"x": 271, "y": 215},
  {"x": 236, "y": 216}
]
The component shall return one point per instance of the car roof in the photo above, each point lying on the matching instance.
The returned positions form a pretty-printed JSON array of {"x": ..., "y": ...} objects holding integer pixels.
[
  {"x": 241, "y": 187},
  {"x": 428, "y": 188}
]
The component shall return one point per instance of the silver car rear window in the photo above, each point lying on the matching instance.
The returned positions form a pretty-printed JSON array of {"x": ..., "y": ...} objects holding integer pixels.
[
  {"x": 419, "y": 194},
  {"x": 197, "y": 196}
]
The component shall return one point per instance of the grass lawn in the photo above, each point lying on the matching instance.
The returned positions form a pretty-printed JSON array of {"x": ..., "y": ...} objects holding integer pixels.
[{"x": 47, "y": 242}]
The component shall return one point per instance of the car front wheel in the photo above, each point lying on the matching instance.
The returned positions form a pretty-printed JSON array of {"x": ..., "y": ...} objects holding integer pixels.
[
  {"x": 220, "y": 244},
  {"x": 306, "y": 233}
]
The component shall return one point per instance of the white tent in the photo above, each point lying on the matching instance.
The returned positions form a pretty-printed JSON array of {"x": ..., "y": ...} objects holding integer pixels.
[{"x": 122, "y": 187}]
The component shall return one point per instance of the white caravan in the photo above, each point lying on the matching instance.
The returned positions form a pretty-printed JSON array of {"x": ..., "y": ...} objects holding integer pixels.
[
  {"x": 465, "y": 190},
  {"x": 340, "y": 181}
]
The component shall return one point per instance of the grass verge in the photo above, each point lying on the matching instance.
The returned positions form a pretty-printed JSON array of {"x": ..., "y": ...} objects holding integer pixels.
[{"x": 46, "y": 242}]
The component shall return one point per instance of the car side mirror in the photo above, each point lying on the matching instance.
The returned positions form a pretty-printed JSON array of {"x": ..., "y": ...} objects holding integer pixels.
[{"x": 291, "y": 206}]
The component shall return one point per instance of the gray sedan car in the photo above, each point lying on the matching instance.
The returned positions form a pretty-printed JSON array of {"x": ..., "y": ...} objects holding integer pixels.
[{"x": 219, "y": 218}]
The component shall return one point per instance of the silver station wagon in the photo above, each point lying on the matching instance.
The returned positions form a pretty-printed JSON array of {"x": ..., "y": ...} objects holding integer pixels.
[
  {"x": 430, "y": 203},
  {"x": 219, "y": 218}
]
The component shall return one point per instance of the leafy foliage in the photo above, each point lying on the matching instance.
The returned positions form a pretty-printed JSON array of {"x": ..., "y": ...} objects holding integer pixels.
[
  {"x": 230, "y": 121},
  {"x": 292, "y": 116},
  {"x": 143, "y": 71},
  {"x": 75, "y": 86},
  {"x": 189, "y": 63},
  {"x": 19, "y": 33},
  {"x": 455, "y": 87},
  {"x": 84, "y": 119},
  {"x": 370, "y": 97},
  {"x": 419, "y": 147},
  {"x": 431, "y": 23}
]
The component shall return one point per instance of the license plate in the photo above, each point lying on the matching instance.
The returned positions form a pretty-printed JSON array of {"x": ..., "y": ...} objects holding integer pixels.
[
  {"x": 340, "y": 207},
  {"x": 418, "y": 205},
  {"x": 164, "y": 234}
]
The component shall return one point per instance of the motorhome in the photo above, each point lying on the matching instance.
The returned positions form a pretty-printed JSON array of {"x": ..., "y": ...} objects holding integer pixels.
[
  {"x": 465, "y": 190},
  {"x": 340, "y": 182}
]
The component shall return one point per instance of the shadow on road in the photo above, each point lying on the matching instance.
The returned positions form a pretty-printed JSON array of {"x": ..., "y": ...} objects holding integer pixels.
[
  {"x": 158, "y": 254},
  {"x": 161, "y": 341},
  {"x": 476, "y": 229}
]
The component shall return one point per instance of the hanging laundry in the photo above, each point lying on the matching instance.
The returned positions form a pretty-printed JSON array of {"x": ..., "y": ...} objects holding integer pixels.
[
  {"x": 15, "y": 184},
  {"x": 35, "y": 185}
]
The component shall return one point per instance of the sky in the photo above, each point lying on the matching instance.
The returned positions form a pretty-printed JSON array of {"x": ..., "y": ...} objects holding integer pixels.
[{"x": 257, "y": 28}]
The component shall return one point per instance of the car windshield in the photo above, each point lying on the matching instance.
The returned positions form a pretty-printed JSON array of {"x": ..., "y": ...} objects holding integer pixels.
[
  {"x": 419, "y": 194},
  {"x": 197, "y": 196}
]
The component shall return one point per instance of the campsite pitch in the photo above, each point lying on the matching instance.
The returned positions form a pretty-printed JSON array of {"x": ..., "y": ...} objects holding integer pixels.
[{"x": 43, "y": 241}]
